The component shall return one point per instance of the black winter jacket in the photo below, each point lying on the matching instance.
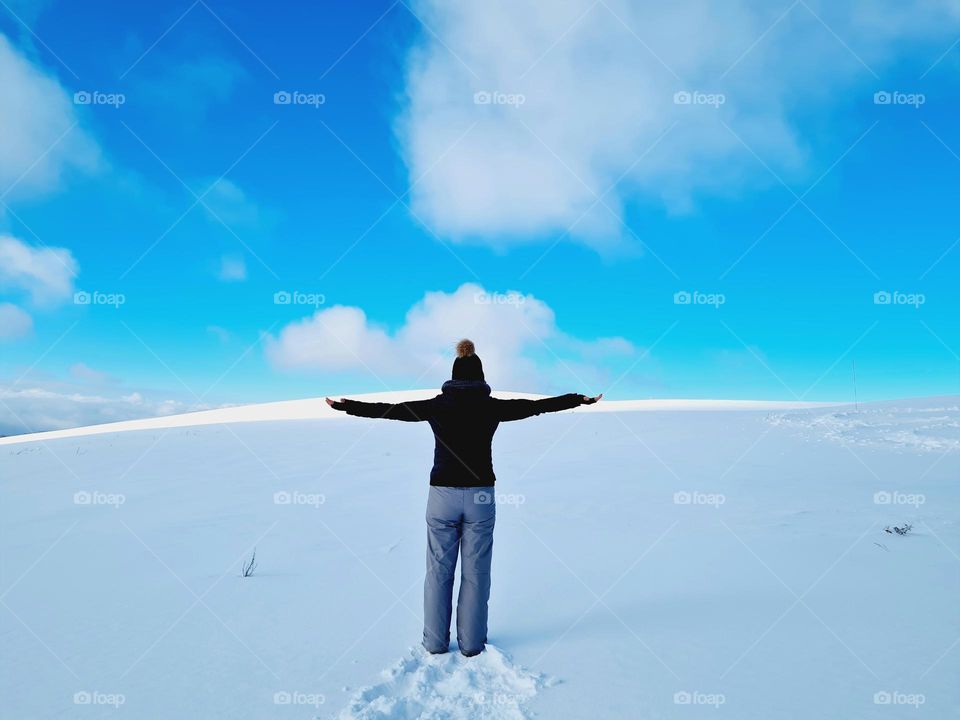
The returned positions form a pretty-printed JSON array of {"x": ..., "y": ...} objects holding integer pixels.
[{"x": 464, "y": 418}]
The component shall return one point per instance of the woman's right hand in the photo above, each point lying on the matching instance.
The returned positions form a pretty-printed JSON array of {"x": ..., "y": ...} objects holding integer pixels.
[{"x": 590, "y": 400}]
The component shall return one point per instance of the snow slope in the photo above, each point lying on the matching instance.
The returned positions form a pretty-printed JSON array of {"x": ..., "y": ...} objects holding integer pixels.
[
  {"x": 317, "y": 408},
  {"x": 928, "y": 425},
  {"x": 661, "y": 564}
]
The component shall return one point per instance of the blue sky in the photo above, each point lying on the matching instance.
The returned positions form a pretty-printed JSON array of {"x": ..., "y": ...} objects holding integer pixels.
[{"x": 574, "y": 205}]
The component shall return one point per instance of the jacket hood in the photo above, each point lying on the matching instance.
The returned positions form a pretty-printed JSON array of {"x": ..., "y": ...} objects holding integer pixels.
[{"x": 465, "y": 388}]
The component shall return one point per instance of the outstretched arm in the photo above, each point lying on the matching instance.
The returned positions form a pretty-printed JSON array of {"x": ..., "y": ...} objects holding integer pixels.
[
  {"x": 415, "y": 411},
  {"x": 508, "y": 410}
]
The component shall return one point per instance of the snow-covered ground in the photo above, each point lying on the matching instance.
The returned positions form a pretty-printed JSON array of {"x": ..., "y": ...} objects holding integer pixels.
[
  {"x": 674, "y": 563},
  {"x": 927, "y": 425},
  {"x": 317, "y": 409}
]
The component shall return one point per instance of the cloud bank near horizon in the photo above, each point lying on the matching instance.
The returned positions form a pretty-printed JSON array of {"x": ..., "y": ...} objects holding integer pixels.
[{"x": 38, "y": 401}]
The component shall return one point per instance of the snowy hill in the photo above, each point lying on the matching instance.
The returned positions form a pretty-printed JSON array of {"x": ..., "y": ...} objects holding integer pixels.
[
  {"x": 317, "y": 409},
  {"x": 712, "y": 560}
]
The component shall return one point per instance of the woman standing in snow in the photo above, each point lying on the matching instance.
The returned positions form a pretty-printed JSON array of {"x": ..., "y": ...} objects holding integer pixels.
[{"x": 461, "y": 509}]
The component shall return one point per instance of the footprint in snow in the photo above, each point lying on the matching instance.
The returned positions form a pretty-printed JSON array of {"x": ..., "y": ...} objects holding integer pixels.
[{"x": 450, "y": 687}]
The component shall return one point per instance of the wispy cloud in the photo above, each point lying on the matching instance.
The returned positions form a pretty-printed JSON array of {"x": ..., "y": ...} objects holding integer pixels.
[
  {"x": 42, "y": 138},
  {"x": 576, "y": 108},
  {"x": 226, "y": 202},
  {"x": 232, "y": 269},
  {"x": 222, "y": 334},
  {"x": 45, "y": 274},
  {"x": 14, "y": 322}
]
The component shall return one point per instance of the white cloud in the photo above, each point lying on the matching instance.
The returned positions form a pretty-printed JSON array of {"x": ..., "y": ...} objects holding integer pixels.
[
  {"x": 232, "y": 269},
  {"x": 597, "y": 83},
  {"x": 39, "y": 141},
  {"x": 46, "y": 274},
  {"x": 227, "y": 202},
  {"x": 516, "y": 336},
  {"x": 36, "y": 409},
  {"x": 337, "y": 338},
  {"x": 14, "y": 322},
  {"x": 40, "y": 402}
]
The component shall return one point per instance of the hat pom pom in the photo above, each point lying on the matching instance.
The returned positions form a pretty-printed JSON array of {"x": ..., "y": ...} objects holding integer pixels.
[{"x": 465, "y": 348}]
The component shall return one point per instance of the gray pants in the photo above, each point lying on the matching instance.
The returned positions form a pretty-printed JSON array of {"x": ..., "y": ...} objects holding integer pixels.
[{"x": 458, "y": 520}]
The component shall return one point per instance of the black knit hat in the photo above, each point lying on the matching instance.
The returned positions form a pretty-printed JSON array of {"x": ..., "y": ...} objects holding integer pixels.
[{"x": 467, "y": 365}]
